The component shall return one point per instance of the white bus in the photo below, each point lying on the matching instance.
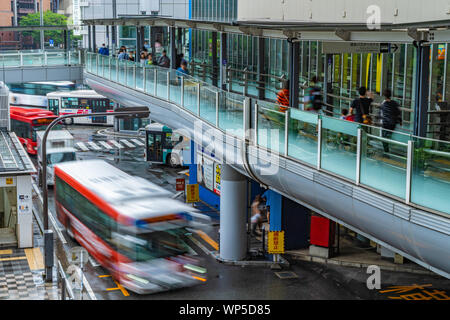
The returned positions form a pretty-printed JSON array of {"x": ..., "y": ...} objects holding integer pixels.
[{"x": 81, "y": 102}]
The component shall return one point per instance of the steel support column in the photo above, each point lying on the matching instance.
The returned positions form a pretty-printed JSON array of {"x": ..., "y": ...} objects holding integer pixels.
[
  {"x": 138, "y": 42},
  {"x": 223, "y": 61},
  {"x": 173, "y": 48},
  {"x": 294, "y": 67},
  {"x": 65, "y": 39},
  {"x": 261, "y": 69},
  {"x": 422, "y": 90},
  {"x": 215, "y": 66},
  {"x": 328, "y": 81},
  {"x": 233, "y": 212},
  {"x": 94, "y": 41},
  {"x": 90, "y": 38}
]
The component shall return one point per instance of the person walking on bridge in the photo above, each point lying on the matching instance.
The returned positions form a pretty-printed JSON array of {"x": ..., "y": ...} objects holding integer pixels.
[
  {"x": 283, "y": 96},
  {"x": 164, "y": 60},
  {"x": 390, "y": 116}
]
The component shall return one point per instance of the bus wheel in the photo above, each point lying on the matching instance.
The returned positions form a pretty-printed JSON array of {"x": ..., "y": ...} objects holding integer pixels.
[
  {"x": 172, "y": 160},
  {"x": 68, "y": 121}
]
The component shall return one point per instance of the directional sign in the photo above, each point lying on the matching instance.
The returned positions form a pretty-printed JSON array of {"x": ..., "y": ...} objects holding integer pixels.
[
  {"x": 51, "y": 42},
  {"x": 358, "y": 47}
]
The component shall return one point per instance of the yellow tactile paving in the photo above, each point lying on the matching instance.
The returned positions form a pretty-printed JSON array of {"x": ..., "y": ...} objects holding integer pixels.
[
  {"x": 35, "y": 258},
  {"x": 13, "y": 258},
  {"x": 8, "y": 251},
  {"x": 205, "y": 237}
]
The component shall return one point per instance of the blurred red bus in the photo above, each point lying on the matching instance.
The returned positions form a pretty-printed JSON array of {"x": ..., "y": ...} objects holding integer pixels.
[
  {"x": 131, "y": 226},
  {"x": 26, "y": 121}
]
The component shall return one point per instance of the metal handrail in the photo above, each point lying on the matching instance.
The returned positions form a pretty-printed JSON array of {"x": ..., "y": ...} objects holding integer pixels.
[{"x": 320, "y": 137}]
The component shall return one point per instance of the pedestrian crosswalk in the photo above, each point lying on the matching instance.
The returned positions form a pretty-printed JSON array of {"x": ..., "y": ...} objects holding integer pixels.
[{"x": 110, "y": 145}]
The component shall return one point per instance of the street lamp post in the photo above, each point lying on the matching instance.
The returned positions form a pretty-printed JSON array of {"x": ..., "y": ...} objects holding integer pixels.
[{"x": 130, "y": 112}]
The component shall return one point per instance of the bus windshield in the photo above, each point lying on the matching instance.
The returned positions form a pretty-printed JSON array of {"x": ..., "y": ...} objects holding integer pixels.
[
  {"x": 42, "y": 128},
  {"x": 58, "y": 157},
  {"x": 151, "y": 245}
]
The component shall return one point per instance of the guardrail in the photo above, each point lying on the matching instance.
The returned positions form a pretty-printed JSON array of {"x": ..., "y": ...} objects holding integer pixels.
[
  {"x": 40, "y": 59},
  {"x": 391, "y": 163},
  {"x": 62, "y": 260}
]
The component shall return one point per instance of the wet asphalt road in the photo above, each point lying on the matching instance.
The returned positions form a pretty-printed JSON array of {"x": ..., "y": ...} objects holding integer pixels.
[{"x": 311, "y": 280}]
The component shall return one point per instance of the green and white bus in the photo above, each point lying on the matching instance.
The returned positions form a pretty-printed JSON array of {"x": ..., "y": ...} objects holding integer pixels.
[{"x": 163, "y": 146}]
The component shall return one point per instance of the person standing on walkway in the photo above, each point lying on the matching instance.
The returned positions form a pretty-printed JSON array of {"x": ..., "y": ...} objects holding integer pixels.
[
  {"x": 164, "y": 60},
  {"x": 256, "y": 218},
  {"x": 313, "y": 98},
  {"x": 283, "y": 96},
  {"x": 123, "y": 55},
  {"x": 183, "y": 70},
  {"x": 390, "y": 116},
  {"x": 103, "y": 50},
  {"x": 361, "y": 106}
]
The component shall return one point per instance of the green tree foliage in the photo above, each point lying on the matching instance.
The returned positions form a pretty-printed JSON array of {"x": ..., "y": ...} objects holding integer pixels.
[{"x": 50, "y": 19}]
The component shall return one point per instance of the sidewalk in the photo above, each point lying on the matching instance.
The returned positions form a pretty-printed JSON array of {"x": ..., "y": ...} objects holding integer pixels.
[
  {"x": 21, "y": 273},
  {"x": 352, "y": 256}
]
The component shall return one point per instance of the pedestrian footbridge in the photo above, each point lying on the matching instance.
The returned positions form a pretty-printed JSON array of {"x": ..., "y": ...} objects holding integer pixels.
[
  {"x": 32, "y": 65},
  {"x": 393, "y": 189}
]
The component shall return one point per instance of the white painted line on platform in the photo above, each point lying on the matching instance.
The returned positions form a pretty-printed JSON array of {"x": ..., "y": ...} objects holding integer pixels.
[
  {"x": 128, "y": 144},
  {"x": 142, "y": 139},
  {"x": 82, "y": 146},
  {"x": 138, "y": 142},
  {"x": 94, "y": 146},
  {"x": 115, "y": 144},
  {"x": 104, "y": 144}
]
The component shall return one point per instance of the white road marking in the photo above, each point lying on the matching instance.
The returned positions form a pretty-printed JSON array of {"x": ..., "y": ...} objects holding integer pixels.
[
  {"x": 104, "y": 144},
  {"x": 94, "y": 146},
  {"x": 138, "y": 142},
  {"x": 82, "y": 146},
  {"x": 115, "y": 144},
  {"x": 128, "y": 144}
]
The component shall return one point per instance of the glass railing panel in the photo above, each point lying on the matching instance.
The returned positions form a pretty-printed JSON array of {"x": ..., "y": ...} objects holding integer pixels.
[
  {"x": 130, "y": 82},
  {"x": 94, "y": 63},
  {"x": 33, "y": 59},
  {"x": 231, "y": 113},
  {"x": 190, "y": 94},
  {"x": 10, "y": 60},
  {"x": 113, "y": 68},
  {"x": 150, "y": 80},
  {"x": 139, "y": 76},
  {"x": 122, "y": 71},
  {"x": 175, "y": 86},
  {"x": 208, "y": 103},
  {"x": 271, "y": 126},
  {"x": 57, "y": 59},
  {"x": 339, "y": 144},
  {"x": 430, "y": 185},
  {"x": 161, "y": 83},
  {"x": 74, "y": 57},
  {"x": 383, "y": 163},
  {"x": 303, "y": 136}
]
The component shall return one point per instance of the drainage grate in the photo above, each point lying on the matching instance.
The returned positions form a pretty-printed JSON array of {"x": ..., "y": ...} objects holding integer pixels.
[{"x": 286, "y": 275}]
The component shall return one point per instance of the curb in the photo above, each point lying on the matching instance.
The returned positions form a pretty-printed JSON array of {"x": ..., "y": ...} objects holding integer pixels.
[
  {"x": 282, "y": 262},
  {"x": 357, "y": 264}
]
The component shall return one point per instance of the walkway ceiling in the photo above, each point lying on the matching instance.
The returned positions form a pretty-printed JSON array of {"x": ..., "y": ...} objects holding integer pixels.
[{"x": 400, "y": 33}]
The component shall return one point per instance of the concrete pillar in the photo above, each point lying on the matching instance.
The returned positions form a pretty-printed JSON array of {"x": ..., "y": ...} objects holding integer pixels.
[
  {"x": 233, "y": 214},
  {"x": 294, "y": 67},
  {"x": 422, "y": 90}
]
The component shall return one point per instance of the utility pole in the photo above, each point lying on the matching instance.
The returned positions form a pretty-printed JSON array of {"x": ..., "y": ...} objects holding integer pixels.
[
  {"x": 15, "y": 12},
  {"x": 41, "y": 11}
]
